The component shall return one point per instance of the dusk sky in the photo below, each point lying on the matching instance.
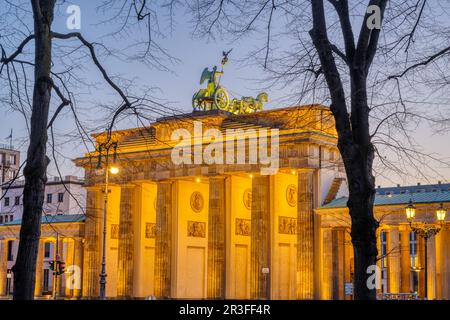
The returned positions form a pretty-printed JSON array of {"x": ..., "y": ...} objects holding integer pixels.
[{"x": 176, "y": 86}]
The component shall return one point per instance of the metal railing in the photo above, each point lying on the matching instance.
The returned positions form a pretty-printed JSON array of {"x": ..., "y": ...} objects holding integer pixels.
[
  {"x": 6, "y": 146},
  {"x": 400, "y": 296}
]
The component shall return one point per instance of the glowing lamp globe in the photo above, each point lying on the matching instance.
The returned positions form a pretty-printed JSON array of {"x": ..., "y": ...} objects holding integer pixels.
[
  {"x": 410, "y": 211},
  {"x": 441, "y": 212},
  {"x": 114, "y": 170}
]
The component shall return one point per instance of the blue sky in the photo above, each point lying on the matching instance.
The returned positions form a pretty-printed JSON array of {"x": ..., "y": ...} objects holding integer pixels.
[{"x": 176, "y": 86}]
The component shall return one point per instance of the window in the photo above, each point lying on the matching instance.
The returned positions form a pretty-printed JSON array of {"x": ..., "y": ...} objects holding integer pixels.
[
  {"x": 1, "y": 219},
  {"x": 383, "y": 243},
  {"x": 6, "y": 201},
  {"x": 11, "y": 217},
  {"x": 6, "y": 219},
  {"x": 414, "y": 282},
  {"x": 49, "y": 198},
  {"x": 47, "y": 250},
  {"x": 414, "y": 279},
  {"x": 10, "y": 247},
  {"x": 412, "y": 244},
  {"x": 60, "y": 197},
  {"x": 46, "y": 280},
  {"x": 17, "y": 200},
  {"x": 383, "y": 239}
]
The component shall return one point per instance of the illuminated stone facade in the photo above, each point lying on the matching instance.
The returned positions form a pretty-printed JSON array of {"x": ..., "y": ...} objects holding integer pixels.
[
  {"x": 212, "y": 230},
  {"x": 225, "y": 231},
  {"x": 401, "y": 254},
  {"x": 220, "y": 231}
]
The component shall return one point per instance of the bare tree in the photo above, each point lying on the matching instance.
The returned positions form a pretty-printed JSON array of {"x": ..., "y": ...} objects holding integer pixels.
[
  {"x": 313, "y": 48},
  {"x": 52, "y": 75},
  {"x": 323, "y": 59}
]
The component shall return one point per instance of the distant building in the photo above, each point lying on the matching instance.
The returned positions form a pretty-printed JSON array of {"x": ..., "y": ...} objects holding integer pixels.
[
  {"x": 62, "y": 219},
  {"x": 65, "y": 196},
  {"x": 223, "y": 230},
  {"x": 9, "y": 163},
  {"x": 401, "y": 251}
]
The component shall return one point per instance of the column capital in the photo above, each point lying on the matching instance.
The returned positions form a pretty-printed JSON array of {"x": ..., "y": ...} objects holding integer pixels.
[
  {"x": 128, "y": 185},
  {"x": 404, "y": 227},
  {"x": 305, "y": 170},
  {"x": 96, "y": 187},
  {"x": 217, "y": 177},
  {"x": 165, "y": 181},
  {"x": 140, "y": 182}
]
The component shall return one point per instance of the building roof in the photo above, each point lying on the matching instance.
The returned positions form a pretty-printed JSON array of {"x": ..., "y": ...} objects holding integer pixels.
[
  {"x": 46, "y": 219},
  {"x": 414, "y": 189},
  {"x": 51, "y": 182},
  {"x": 398, "y": 197}
]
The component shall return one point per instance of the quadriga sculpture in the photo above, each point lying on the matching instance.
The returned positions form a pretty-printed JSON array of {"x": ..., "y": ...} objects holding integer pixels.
[
  {"x": 248, "y": 104},
  {"x": 214, "y": 96}
]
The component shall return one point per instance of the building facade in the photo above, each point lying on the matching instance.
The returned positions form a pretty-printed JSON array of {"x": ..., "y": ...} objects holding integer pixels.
[
  {"x": 401, "y": 253},
  {"x": 62, "y": 232},
  {"x": 205, "y": 229},
  {"x": 182, "y": 223},
  {"x": 9, "y": 163},
  {"x": 62, "y": 196}
]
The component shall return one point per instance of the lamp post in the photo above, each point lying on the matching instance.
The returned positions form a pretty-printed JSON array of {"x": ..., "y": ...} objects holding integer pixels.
[
  {"x": 113, "y": 170},
  {"x": 426, "y": 231},
  {"x": 8, "y": 282}
]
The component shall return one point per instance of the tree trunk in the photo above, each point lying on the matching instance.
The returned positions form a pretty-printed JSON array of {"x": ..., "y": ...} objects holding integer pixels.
[
  {"x": 359, "y": 169},
  {"x": 37, "y": 161},
  {"x": 363, "y": 233},
  {"x": 358, "y": 161}
]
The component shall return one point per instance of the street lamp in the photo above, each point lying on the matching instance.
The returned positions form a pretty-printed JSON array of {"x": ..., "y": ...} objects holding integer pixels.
[
  {"x": 440, "y": 213},
  {"x": 113, "y": 169},
  {"x": 426, "y": 231},
  {"x": 410, "y": 211}
]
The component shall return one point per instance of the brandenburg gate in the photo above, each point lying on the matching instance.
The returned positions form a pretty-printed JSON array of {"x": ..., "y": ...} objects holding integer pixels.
[{"x": 212, "y": 204}]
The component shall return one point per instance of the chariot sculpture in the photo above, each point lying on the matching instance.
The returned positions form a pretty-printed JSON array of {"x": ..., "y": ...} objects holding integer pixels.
[{"x": 214, "y": 96}]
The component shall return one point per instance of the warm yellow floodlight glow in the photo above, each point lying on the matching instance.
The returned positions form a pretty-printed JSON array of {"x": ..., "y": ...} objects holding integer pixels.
[
  {"x": 114, "y": 170},
  {"x": 410, "y": 211},
  {"x": 441, "y": 212}
]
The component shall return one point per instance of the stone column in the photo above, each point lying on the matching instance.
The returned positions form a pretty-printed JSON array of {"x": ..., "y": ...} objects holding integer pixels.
[
  {"x": 60, "y": 279},
  {"x": 92, "y": 245},
  {"x": 163, "y": 241},
  {"x": 39, "y": 269},
  {"x": 69, "y": 259},
  {"x": 78, "y": 263},
  {"x": 349, "y": 260},
  {"x": 394, "y": 253},
  {"x": 305, "y": 235},
  {"x": 431, "y": 268},
  {"x": 405, "y": 261},
  {"x": 126, "y": 241},
  {"x": 3, "y": 265},
  {"x": 327, "y": 266},
  {"x": 378, "y": 262},
  {"x": 338, "y": 263},
  {"x": 216, "y": 239},
  {"x": 444, "y": 264},
  {"x": 421, "y": 256},
  {"x": 260, "y": 238}
]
